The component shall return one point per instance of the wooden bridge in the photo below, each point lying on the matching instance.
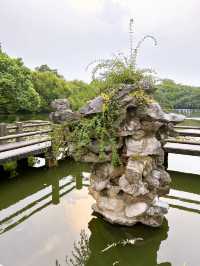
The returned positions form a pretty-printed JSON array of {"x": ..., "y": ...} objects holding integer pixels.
[
  {"x": 30, "y": 138},
  {"x": 181, "y": 145},
  {"x": 23, "y": 139}
]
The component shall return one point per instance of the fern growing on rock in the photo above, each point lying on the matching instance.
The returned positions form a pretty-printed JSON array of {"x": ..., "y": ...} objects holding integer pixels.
[{"x": 122, "y": 69}]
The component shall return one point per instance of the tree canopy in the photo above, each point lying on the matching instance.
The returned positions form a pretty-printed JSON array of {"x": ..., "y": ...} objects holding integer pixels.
[{"x": 16, "y": 89}]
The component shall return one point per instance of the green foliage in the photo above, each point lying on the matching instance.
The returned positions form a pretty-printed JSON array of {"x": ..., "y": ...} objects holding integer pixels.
[
  {"x": 49, "y": 86},
  {"x": 46, "y": 68},
  {"x": 16, "y": 89},
  {"x": 81, "y": 93},
  {"x": 142, "y": 98},
  {"x": 10, "y": 167},
  {"x": 118, "y": 70},
  {"x": 24, "y": 90},
  {"x": 58, "y": 135},
  {"x": 174, "y": 96},
  {"x": 81, "y": 252},
  {"x": 121, "y": 69},
  {"x": 101, "y": 128},
  {"x": 31, "y": 161}
]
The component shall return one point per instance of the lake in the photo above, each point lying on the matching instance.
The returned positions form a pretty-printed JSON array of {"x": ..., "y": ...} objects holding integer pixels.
[{"x": 43, "y": 212}]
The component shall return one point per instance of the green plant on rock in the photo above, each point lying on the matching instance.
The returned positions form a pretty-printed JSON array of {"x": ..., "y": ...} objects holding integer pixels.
[
  {"x": 32, "y": 161},
  {"x": 121, "y": 69},
  {"x": 142, "y": 98},
  {"x": 10, "y": 167},
  {"x": 99, "y": 128}
]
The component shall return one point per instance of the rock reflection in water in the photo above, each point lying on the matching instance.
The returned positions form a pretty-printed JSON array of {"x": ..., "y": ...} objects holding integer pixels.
[{"x": 110, "y": 245}]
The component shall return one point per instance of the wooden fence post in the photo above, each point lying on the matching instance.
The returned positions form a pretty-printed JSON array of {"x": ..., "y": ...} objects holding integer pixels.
[
  {"x": 3, "y": 131},
  {"x": 19, "y": 130}
]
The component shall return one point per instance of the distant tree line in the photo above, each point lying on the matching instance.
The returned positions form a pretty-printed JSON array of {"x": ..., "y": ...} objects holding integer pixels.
[
  {"x": 26, "y": 90},
  {"x": 177, "y": 96}
]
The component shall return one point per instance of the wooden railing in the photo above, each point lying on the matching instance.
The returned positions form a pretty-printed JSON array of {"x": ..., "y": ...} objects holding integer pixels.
[
  {"x": 20, "y": 130},
  {"x": 23, "y": 139}
]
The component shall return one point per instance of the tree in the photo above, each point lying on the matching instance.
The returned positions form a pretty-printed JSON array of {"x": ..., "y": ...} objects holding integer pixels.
[
  {"x": 49, "y": 86},
  {"x": 175, "y": 96},
  {"x": 46, "y": 68},
  {"x": 16, "y": 89}
]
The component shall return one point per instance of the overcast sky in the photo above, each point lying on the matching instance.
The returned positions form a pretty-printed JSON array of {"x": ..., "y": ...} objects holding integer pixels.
[{"x": 69, "y": 34}]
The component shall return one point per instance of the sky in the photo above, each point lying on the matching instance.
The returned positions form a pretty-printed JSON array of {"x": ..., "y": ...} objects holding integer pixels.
[{"x": 69, "y": 34}]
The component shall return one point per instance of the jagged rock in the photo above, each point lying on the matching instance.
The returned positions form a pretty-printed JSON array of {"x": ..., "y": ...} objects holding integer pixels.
[
  {"x": 160, "y": 158},
  {"x": 124, "y": 91},
  {"x": 135, "y": 189},
  {"x": 138, "y": 167},
  {"x": 160, "y": 180},
  {"x": 93, "y": 158},
  {"x": 60, "y": 104},
  {"x": 164, "y": 206},
  {"x": 110, "y": 204},
  {"x": 153, "y": 221},
  {"x": 130, "y": 128},
  {"x": 136, "y": 209},
  {"x": 155, "y": 112},
  {"x": 100, "y": 185},
  {"x": 134, "y": 171},
  {"x": 106, "y": 170},
  {"x": 63, "y": 116},
  {"x": 93, "y": 107},
  {"x": 94, "y": 147},
  {"x": 139, "y": 134},
  {"x": 151, "y": 127},
  {"x": 143, "y": 147},
  {"x": 113, "y": 191},
  {"x": 62, "y": 112}
]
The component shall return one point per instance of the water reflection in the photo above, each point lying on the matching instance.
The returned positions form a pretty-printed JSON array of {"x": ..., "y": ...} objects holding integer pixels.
[
  {"x": 18, "y": 204},
  {"x": 116, "y": 245},
  {"x": 46, "y": 209},
  {"x": 142, "y": 251}
]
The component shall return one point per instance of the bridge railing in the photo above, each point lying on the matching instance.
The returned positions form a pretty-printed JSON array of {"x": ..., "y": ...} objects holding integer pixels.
[{"x": 20, "y": 130}]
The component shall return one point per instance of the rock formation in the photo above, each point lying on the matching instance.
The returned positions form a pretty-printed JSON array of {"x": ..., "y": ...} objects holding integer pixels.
[
  {"x": 129, "y": 193},
  {"x": 62, "y": 111}
]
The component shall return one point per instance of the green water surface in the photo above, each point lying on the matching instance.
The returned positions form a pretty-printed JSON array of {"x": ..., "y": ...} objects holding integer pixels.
[{"x": 42, "y": 213}]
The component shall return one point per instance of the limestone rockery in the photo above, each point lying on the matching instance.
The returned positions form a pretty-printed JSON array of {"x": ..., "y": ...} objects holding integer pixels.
[{"x": 130, "y": 193}]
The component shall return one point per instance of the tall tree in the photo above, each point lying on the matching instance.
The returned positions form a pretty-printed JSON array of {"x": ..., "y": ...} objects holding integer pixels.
[
  {"x": 16, "y": 89},
  {"x": 49, "y": 86}
]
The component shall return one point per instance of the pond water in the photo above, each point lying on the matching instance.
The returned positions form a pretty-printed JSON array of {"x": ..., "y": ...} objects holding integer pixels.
[{"x": 43, "y": 212}]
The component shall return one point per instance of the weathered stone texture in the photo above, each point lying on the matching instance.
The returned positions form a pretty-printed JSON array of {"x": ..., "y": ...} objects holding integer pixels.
[{"x": 130, "y": 193}]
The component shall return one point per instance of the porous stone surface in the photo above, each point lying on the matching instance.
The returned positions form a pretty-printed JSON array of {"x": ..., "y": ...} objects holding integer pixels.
[
  {"x": 62, "y": 111},
  {"x": 130, "y": 193}
]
